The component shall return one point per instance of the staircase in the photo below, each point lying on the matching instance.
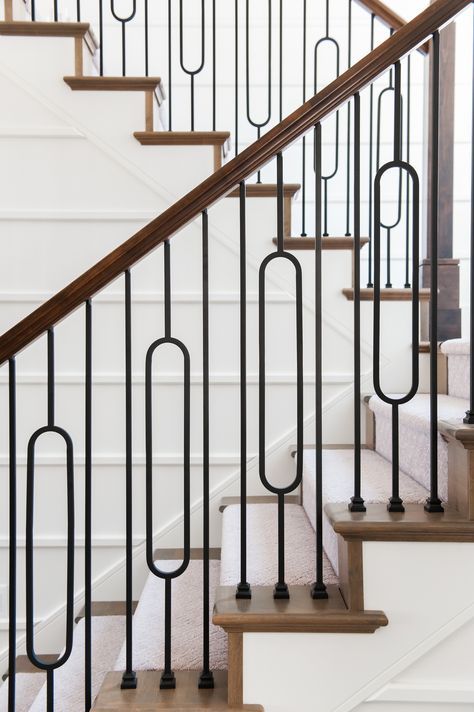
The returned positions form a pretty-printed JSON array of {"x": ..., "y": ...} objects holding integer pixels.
[{"x": 321, "y": 563}]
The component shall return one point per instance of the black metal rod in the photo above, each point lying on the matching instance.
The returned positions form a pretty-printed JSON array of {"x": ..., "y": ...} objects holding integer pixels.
[
  {"x": 280, "y": 205},
  {"x": 88, "y": 513},
  {"x": 266, "y": 119},
  {"x": 349, "y": 119},
  {"x": 214, "y": 60},
  {"x": 146, "y": 40},
  {"x": 168, "y": 680},
  {"x": 206, "y": 680},
  {"x": 170, "y": 70},
  {"x": 167, "y": 280},
  {"x": 192, "y": 73},
  {"x": 236, "y": 74},
  {"x": 408, "y": 156},
  {"x": 433, "y": 503},
  {"x": 129, "y": 678},
  {"x": 51, "y": 377},
  {"x": 318, "y": 589},
  {"x": 371, "y": 159},
  {"x": 243, "y": 587},
  {"x": 12, "y": 553},
  {"x": 123, "y": 21},
  {"x": 101, "y": 38},
  {"x": 280, "y": 67},
  {"x": 469, "y": 419},
  {"x": 50, "y": 690},
  {"x": 357, "y": 503}
]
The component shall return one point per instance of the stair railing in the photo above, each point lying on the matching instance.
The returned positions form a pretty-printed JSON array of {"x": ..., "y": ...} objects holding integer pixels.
[{"x": 80, "y": 294}]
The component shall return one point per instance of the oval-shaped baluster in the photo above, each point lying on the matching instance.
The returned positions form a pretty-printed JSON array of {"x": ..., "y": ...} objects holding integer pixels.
[
  {"x": 303, "y": 140},
  {"x": 371, "y": 161},
  {"x": 281, "y": 588},
  {"x": 168, "y": 680},
  {"x": 192, "y": 72},
  {"x": 124, "y": 21}
]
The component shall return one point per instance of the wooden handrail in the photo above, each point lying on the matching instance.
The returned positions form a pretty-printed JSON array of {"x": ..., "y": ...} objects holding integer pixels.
[
  {"x": 386, "y": 15},
  {"x": 219, "y": 184}
]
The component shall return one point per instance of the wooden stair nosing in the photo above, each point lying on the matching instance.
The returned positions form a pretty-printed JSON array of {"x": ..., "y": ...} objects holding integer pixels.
[
  {"x": 185, "y": 697},
  {"x": 182, "y": 138},
  {"x": 93, "y": 83},
  {"x": 327, "y": 243},
  {"x": 415, "y": 524},
  {"x": 24, "y": 665},
  {"x": 106, "y": 608},
  {"x": 392, "y": 294},
  {"x": 262, "y": 613},
  {"x": 266, "y": 190},
  {"x": 29, "y": 28}
]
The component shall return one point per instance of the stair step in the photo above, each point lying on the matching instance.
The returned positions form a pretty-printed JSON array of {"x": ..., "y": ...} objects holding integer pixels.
[
  {"x": 186, "y": 611},
  {"x": 106, "y": 608},
  {"x": 27, "y": 687},
  {"x": 393, "y": 294},
  {"x": 182, "y": 138},
  {"x": 148, "y": 695},
  {"x": 327, "y": 243},
  {"x": 44, "y": 29},
  {"x": 152, "y": 84},
  {"x": 108, "y": 633},
  {"x": 338, "y": 481},
  {"x": 266, "y": 190},
  {"x": 262, "y": 533},
  {"x": 24, "y": 664},
  {"x": 457, "y": 351},
  {"x": 414, "y": 418}
]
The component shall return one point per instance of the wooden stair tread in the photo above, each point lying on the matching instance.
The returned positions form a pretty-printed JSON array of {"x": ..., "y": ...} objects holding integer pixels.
[
  {"x": 44, "y": 29},
  {"x": 262, "y": 613},
  {"x": 182, "y": 138},
  {"x": 106, "y": 608},
  {"x": 327, "y": 243},
  {"x": 266, "y": 190},
  {"x": 114, "y": 83},
  {"x": 415, "y": 524},
  {"x": 148, "y": 696},
  {"x": 24, "y": 665},
  {"x": 393, "y": 294}
]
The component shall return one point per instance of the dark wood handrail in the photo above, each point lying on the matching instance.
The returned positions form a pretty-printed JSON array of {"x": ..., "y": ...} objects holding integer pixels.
[
  {"x": 386, "y": 15},
  {"x": 228, "y": 177}
]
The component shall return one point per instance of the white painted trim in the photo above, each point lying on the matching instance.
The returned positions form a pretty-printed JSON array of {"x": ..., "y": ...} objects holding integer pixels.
[
  {"x": 35, "y": 132},
  {"x": 21, "y": 624},
  {"x": 421, "y": 692}
]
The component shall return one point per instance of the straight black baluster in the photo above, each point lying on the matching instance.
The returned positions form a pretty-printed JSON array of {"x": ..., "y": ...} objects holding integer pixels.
[
  {"x": 236, "y": 74},
  {"x": 33, "y": 10},
  {"x": 12, "y": 568},
  {"x": 349, "y": 119},
  {"x": 357, "y": 503},
  {"x": 168, "y": 680},
  {"x": 78, "y": 10},
  {"x": 170, "y": 70},
  {"x": 433, "y": 503},
  {"x": 280, "y": 68},
  {"x": 371, "y": 159},
  {"x": 192, "y": 73},
  {"x": 318, "y": 589},
  {"x": 146, "y": 39},
  {"x": 303, "y": 148},
  {"x": 88, "y": 513},
  {"x": 408, "y": 150},
  {"x": 56, "y": 13},
  {"x": 123, "y": 21},
  {"x": 259, "y": 125},
  {"x": 129, "y": 677},
  {"x": 469, "y": 419},
  {"x": 101, "y": 38},
  {"x": 243, "y": 588},
  {"x": 50, "y": 377},
  {"x": 206, "y": 680},
  {"x": 214, "y": 58},
  {"x": 50, "y": 690}
]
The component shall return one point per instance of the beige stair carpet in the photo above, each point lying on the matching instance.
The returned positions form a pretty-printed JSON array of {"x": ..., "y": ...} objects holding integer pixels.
[
  {"x": 458, "y": 352},
  {"x": 28, "y": 684}
]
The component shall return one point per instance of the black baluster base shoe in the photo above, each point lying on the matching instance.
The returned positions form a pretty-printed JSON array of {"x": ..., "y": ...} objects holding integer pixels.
[
  {"x": 243, "y": 591},
  {"x": 319, "y": 591},
  {"x": 281, "y": 592},
  {"x": 469, "y": 419},
  {"x": 357, "y": 505},
  {"x": 433, "y": 505},
  {"x": 168, "y": 681},
  {"x": 206, "y": 680},
  {"x": 395, "y": 504},
  {"x": 129, "y": 681}
]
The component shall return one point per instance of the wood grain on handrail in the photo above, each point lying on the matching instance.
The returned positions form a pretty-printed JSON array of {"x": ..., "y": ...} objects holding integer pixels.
[
  {"x": 219, "y": 184},
  {"x": 386, "y": 15}
]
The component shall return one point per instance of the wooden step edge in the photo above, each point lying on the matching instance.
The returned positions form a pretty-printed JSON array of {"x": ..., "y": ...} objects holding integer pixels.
[
  {"x": 196, "y": 554},
  {"x": 182, "y": 138},
  {"x": 393, "y": 294},
  {"x": 415, "y": 524},
  {"x": 258, "y": 499},
  {"x": 46, "y": 29},
  {"x": 327, "y": 243},
  {"x": 106, "y": 608},
  {"x": 24, "y": 665},
  {"x": 266, "y": 190},
  {"x": 456, "y": 429},
  {"x": 184, "y": 698},
  {"x": 146, "y": 84},
  {"x": 263, "y": 614}
]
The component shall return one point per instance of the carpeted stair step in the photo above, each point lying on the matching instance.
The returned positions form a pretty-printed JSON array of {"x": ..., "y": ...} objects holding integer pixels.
[
  {"x": 338, "y": 486},
  {"x": 262, "y": 550},
  {"x": 28, "y": 684},
  {"x": 107, "y": 637},
  {"x": 415, "y": 435},
  {"x": 186, "y": 616},
  {"x": 457, "y": 351}
]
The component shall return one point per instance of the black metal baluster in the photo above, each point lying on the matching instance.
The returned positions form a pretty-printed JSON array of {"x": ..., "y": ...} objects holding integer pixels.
[
  {"x": 129, "y": 677},
  {"x": 280, "y": 68},
  {"x": 206, "y": 680},
  {"x": 259, "y": 125},
  {"x": 170, "y": 70},
  {"x": 168, "y": 680},
  {"x": 55, "y": 10},
  {"x": 29, "y": 539},
  {"x": 88, "y": 513},
  {"x": 281, "y": 588},
  {"x": 78, "y": 10},
  {"x": 433, "y": 503},
  {"x": 371, "y": 159},
  {"x": 408, "y": 153},
  {"x": 192, "y": 72},
  {"x": 243, "y": 588},
  {"x": 12, "y": 553},
  {"x": 469, "y": 418},
  {"x": 318, "y": 589},
  {"x": 303, "y": 142},
  {"x": 123, "y": 21},
  {"x": 101, "y": 38},
  {"x": 349, "y": 121},
  {"x": 214, "y": 59},
  {"x": 33, "y": 10},
  {"x": 357, "y": 503},
  {"x": 146, "y": 39},
  {"x": 236, "y": 74}
]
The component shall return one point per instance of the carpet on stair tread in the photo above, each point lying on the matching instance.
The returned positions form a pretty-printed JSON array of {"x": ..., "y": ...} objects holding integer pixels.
[
  {"x": 262, "y": 547},
  {"x": 186, "y": 618},
  {"x": 28, "y": 684},
  {"x": 457, "y": 352},
  {"x": 338, "y": 486},
  {"x": 108, "y": 633},
  {"x": 415, "y": 435}
]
